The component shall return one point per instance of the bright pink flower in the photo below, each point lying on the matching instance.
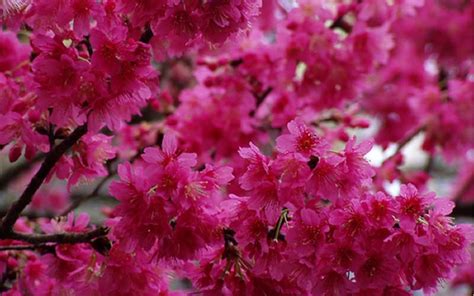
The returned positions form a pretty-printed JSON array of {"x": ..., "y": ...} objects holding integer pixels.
[
  {"x": 323, "y": 183},
  {"x": 223, "y": 18},
  {"x": 411, "y": 205},
  {"x": 354, "y": 162},
  {"x": 141, "y": 214},
  {"x": 108, "y": 49},
  {"x": 127, "y": 273},
  {"x": 226, "y": 109},
  {"x": 293, "y": 172},
  {"x": 141, "y": 12},
  {"x": 133, "y": 184},
  {"x": 35, "y": 278},
  {"x": 308, "y": 233},
  {"x": 58, "y": 79},
  {"x": 301, "y": 140},
  {"x": 332, "y": 283},
  {"x": 179, "y": 27},
  {"x": 378, "y": 270},
  {"x": 380, "y": 209},
  {"x": 258, "y": 169},
  {"x": 342, "y": 255},
  {"x": 307, "y": 214},
  {"x": 15, "y": 129},
  {"x": 70, "y": 224},
  {"x": 428, "y": 269},
  {"x": 12, "y": 52},
  {"x": 169, "y": 154},
  {"x": 372, "y": 45},
  {"x": 82, "y": 13},
  {"x": 351, "y": 219},
  {"x": 11, "y": 7},
  {"x": 89, "y": 158}
]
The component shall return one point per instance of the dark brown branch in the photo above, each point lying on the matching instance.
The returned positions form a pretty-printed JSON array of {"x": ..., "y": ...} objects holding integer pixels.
[
  {"x": 463, "y": 210},
  {"x": 260, "y": 98},
  {"x": 59, "y": 238},
  {"x": 24, "y": 247},
  {"x": 87, "y": 42},
  {"x": 340, "y": 23},
  {"x": 146, "y": 35},
  {"x": 13, "y": 172},
  {"x": 50, "y": 161},
  {"x": 235, "y": 63}
]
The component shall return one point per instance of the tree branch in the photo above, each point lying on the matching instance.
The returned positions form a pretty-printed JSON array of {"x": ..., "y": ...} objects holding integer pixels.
[
  {"x": 59, "y": 238},
  {"x": 260, "y": 98},
  {"x": 24, "y": 247},
  {"x": 77, "y": 202},
  {"x": 463, "y": 210},
  {"x": 146, "y": 35},
  {"x": 80, "y": 199},
  {"x": 340, "y": 23},
  {"x": 51, "y": 158}
]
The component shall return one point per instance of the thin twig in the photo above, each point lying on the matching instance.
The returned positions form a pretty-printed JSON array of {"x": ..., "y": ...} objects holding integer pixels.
[
  {"x": 429, "y": 164},
  {"x": 50, "y": 161},
  {"x": 146, "y": 35},
  {"x": 260, "y": 98},
  {"x": 77, "y": 202},
  {"x": 340, "y": 23}
]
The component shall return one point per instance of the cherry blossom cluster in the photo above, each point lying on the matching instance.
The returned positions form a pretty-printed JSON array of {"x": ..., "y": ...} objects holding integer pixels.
[
  {"x": 232, "y": 142},
  {"x": 308, "y": 224}
]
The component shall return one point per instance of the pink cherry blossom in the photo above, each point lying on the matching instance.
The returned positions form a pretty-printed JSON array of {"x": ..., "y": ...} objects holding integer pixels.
[
  {"x": 301, "y": 140},
  {"x": 236, "y": 147}
]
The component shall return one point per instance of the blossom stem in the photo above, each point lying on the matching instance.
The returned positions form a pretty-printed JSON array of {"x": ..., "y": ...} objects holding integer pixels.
[
  {"x": 77, "y": 202},
  {"x": 282, "y": 219},
  {"x": 48, "y": 164}
]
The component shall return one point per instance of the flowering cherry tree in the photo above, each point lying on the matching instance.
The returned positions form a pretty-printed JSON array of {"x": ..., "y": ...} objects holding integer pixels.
[{"x": 231, "y": 141}]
